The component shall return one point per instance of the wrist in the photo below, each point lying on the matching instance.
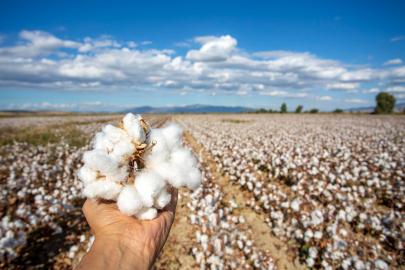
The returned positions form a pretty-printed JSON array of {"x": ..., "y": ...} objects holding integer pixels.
[{"x": 112, "y": 253}]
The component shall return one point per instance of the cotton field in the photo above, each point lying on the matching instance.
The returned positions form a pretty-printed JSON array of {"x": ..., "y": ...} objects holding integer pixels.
[
  {"x": 331, "y": 187},
  {"x": 277, "y": 192}
]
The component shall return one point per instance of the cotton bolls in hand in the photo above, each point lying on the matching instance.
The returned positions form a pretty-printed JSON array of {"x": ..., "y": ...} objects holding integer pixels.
[{"x": 135, "y": 165}]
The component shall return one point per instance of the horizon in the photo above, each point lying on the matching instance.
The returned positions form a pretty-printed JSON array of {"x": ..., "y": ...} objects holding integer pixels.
[{"x": 97, "y": 57}]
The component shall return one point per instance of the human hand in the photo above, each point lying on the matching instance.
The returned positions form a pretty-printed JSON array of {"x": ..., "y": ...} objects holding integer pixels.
[{"x": 124, "y": 242}]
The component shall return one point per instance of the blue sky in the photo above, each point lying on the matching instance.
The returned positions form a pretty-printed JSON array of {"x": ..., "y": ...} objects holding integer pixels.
[{"x": 102, "y": 56}]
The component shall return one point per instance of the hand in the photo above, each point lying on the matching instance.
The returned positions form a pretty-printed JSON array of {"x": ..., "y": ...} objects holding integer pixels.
[{"x": 124, "y": 242}]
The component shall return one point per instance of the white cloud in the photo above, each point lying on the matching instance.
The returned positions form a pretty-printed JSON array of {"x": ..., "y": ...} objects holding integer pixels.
[
  {"x": 326, "y": 98},
  {"x": 397, "y": 38},
  {"x": 284, "y": 94},
  {"x": 37, "y": 43},
  {"x": 146, "y": 42},
  {"x": 97, "y": 103},
  {"x": 356, "y": 101},
  {"x": 342, "y": 86},
  {"x": 102, "y": 42},
  {"x": 372, "y": 90},
  {"x": 396, "y": 89},
  {"x": 354, "y": 91},
  {"x": 213, "y": 50},
  {"x": 219, "y": 67},
  {"x": 132, "y": 44},
  {"x": 396, "y": 61},
  {"x": 182, "y": 44}
]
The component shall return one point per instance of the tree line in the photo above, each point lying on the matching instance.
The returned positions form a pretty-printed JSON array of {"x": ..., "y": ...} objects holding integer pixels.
[{"x": 385, "y": 105}]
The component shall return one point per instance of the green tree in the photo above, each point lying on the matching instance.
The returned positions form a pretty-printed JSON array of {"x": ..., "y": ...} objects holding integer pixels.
[
  {"x": 263, "y": 110},
  {"x": 284, "y": 108},
  {"x": 270, "y": 111},
  {"x": 338, "y": 111},
  {"x": 385, "y": 103},
  {"x": 299, "y": 109},
  {"x": 314, "y": 111}
]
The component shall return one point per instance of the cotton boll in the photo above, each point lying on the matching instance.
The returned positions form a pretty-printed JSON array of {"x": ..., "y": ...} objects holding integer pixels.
[
  {"x": 194, "y": 180},
  {"x": 134, "y": 128},
  {"x": 119, "y": 174},
  {"x": 87, "y": 175},
  {"x": 121, "y": 149},
  {"x": 162, "y": 199},
  {"x": 159, "y": 153},
  {"x": 172, "y": 134},
  {"x": 101, "y": 141},
  {"x": 129, "y": 201},
  {"x": 115, "y": 134},
  {"x": 103, "y": 189},
  {"x": 148, "y": 184},
  {"x": 183, "y": 156},
  {"x": 146, "y": 213},
  {"x": 176, "y": 175},
  {"x": 91, "y": 158},
  {"x": 107, "y": 165}
]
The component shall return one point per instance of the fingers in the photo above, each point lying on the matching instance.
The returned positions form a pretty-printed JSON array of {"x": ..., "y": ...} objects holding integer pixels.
[{"x": 171, "y": 207}]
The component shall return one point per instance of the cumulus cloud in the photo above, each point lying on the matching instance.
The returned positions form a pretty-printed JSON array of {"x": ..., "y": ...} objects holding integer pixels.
[
  {"x": 396, "y": 89},
  {"x": 342, "y": 86},
  {"x": 353, "y": 91},
  {"x": 217, "y": 67},
  {"x": 396, "y": 61},
  {"x": 37, "y": 43},
  {"x": 103, "y": 41},
  {"x": 213, "y": 50},
  {"x": 372, "y": 90}
]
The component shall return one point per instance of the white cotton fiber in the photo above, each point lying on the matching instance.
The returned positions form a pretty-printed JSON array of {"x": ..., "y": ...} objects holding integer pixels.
[
  {"x": 107, "y": 164},
  {"x": 91, "y": 158},
  {"x": 121, "y": 149},
  {"x": 115, "y": 134},
  {"x": 103, "y": 189},
  {"x": 119, "y": 175},
  {"x": 134, "y": 128},
  {"x": 175, "y": 174},
  {"x": 148, "y": 184},
  {"x": 194, "y": 179},
  {"x": 159, "y": 153},
  {"x": 172, "y": 134},
  {"x": 146, "y": 213},
  {"x": 117, "y": 154},
  {"x": 129, "y": 201},
  {"x": 183, "y": 156},
  {"x": 87, "y": 175},
  {"x": 101, "y": 141},
  {"x": 162, "y": 199}
]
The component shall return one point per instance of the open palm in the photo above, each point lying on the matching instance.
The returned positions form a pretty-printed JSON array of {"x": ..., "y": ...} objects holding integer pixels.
[{"x": 144, "y": 239}]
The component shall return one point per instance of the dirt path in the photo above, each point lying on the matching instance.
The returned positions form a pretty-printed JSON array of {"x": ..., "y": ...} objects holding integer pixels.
[{"x": 261, "y": 232}]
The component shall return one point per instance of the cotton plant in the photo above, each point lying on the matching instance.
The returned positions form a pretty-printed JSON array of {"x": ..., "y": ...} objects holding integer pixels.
[{"x": 135, "y": 165}]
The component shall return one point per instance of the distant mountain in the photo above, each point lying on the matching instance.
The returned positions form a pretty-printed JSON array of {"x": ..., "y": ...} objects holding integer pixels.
[{"x": 189, "y": 109}]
